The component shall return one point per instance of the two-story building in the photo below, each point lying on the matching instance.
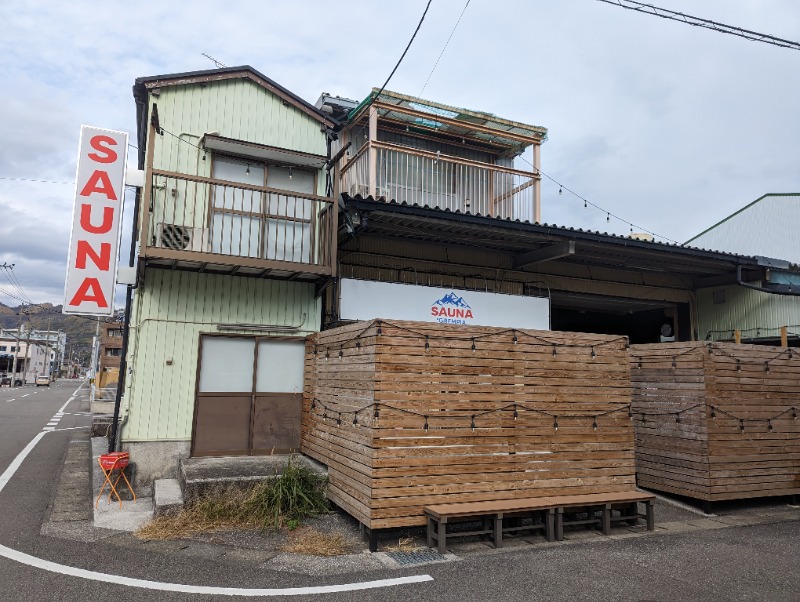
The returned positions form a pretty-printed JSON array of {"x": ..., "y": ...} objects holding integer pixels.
[
  {"x": 235, "y": 233},
  {"x": 265, "y": 218}
]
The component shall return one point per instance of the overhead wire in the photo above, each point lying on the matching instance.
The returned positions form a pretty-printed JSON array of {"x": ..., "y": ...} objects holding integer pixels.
[
  {"x": 672, "y": 15},
  {"x": 444, "y": 48}
]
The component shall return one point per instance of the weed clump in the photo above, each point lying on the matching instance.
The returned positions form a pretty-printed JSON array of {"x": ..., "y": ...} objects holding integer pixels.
[
  {"x": 285, "y": 501},
  {"x": 282, "y": 502}
]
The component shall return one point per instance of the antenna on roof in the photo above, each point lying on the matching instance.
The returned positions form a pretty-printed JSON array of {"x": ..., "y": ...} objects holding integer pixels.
[{"x": 218, "y": 64}]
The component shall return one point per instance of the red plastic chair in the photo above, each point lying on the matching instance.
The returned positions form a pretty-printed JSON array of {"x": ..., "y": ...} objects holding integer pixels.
[{"x": 114, "y": 461}]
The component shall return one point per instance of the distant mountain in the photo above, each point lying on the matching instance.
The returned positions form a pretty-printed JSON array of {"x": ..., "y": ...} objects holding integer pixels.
[
  {"x": 79, "y": 329},
  {"x": 452, "y": 299}
]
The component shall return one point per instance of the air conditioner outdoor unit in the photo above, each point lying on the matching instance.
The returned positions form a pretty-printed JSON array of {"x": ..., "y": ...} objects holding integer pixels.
[{"x": 183, "y": 238}]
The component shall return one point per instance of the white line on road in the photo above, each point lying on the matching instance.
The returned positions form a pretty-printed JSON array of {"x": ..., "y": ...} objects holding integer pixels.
[
  {"x": 63, "y": 569},
  {"x": 7, "y": 400},
  {"x": 26, "y": 394},
  {"x": 201, "y": 589}
]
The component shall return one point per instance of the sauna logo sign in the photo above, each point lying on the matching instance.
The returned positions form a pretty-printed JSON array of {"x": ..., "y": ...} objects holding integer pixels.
[{"x": 451, "y": 309}]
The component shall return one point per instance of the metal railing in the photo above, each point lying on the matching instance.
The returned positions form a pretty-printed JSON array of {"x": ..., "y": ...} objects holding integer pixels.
[
  {"x": 195, "y": 215},
  {"x": 426, "y": 178}
]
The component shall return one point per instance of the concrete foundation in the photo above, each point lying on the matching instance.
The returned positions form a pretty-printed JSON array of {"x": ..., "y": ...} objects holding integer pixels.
[{"x": 155, "y": 460}]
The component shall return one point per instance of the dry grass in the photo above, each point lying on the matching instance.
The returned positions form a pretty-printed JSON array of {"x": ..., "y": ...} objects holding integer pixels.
[
  {"x": 220, "y": 510},
  {"x": 404, "y": 544},
  {"x": 315, "y": 543}
]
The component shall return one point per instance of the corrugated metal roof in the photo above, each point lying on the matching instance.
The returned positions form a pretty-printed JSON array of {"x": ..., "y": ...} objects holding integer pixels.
[
  {"x": 768, "y": 227},
  {"x": 517, "y": 235}
]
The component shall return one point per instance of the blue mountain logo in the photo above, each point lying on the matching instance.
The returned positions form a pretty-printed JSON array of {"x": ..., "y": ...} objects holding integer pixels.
[{"x": 452, "y": 299}]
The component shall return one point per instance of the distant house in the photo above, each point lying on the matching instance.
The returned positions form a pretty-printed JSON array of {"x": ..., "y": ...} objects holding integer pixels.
[{"x": 767, "y": 228}]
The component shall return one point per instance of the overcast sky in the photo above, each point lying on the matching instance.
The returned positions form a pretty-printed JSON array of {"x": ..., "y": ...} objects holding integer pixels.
[{"x": 668, "y": 126}]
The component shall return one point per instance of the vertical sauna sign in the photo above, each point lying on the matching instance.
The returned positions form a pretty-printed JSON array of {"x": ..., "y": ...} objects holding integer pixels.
[{"x": 96, "y": 216}]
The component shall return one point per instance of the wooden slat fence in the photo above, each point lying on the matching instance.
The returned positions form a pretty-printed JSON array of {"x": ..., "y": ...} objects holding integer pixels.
[
  {"x": 408, "y": 414},
  {"x": 716, "y": 421}
]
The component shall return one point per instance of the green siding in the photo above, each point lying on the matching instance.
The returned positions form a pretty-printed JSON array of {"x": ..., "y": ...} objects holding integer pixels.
[
  {"x": 754, "y": 313},
  {"x": 172, "y": 309},
  {"x": 237, "y": 109}
]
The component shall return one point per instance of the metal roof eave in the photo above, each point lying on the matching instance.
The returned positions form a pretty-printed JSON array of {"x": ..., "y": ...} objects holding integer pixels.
[{"x": 726, "y": 261}]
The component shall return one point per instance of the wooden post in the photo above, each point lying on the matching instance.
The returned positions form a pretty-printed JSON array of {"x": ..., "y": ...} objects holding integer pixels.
[
  {"x": 537, "y": 185},
  {"x": 373, "y": 152},
  {"x": 784, "y": 337},
  {"x": 737, "y": 336}
]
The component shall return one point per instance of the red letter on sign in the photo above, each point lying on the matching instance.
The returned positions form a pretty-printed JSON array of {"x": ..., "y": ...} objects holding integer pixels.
[
  {"x": 102, "y": 261},
  {"x": 99, "y": 182},
  {"x": 109, "y": 155},
  {"x": 83, "y": 290},
  {"x": 86, "y": 220}
]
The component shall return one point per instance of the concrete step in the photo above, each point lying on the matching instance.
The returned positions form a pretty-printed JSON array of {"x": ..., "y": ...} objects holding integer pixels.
[
  {"x": 167, "y": 497},
  {"x": 199, "y": 475}
]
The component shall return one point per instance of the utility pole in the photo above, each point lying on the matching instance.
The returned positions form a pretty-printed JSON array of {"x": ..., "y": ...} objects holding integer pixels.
[
  {"x": 16, "y": 349},
  {"x": 95, "y": 361}
]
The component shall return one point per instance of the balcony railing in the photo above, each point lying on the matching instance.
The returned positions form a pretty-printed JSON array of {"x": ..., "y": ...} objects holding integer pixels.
[
  {"x": 210, "y": 221},
  {"x": 395, "y": 172}
]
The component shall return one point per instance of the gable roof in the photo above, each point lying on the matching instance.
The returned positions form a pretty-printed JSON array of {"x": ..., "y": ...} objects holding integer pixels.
[
  {"x": 242, "y": 72},
  {"x": 743, "y": 209}
]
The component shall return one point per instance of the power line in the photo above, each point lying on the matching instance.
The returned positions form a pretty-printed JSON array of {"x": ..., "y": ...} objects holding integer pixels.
[
  {"x": 445, "y": 48},
  {"x": 747, "y": 34},
  {"x": 587, "y": 203},
  {"x": 402, "y": 56},
  {"x": 15, "y": 283},
  {"x": 32, "y": 180}
]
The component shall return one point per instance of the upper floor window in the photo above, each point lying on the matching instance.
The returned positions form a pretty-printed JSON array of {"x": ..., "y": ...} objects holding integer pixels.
[{"x": 251, "y": 223}]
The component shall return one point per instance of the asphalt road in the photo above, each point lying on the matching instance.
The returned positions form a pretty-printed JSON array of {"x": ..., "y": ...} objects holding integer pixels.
[{"x": 739, "y": 563}]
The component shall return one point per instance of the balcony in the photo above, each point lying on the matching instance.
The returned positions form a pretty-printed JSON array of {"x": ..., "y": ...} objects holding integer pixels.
[
  {"x": 391, "y": 171},
  {"x": 218, "y": 226}
]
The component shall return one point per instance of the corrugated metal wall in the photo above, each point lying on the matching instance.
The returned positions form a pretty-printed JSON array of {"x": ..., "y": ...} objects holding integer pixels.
[
  {"x": 238, "y": 109},
  {"x": 755, "y": 314},
  {"x": 767, "y": 227},
  {"x": 172, "y": 309}
]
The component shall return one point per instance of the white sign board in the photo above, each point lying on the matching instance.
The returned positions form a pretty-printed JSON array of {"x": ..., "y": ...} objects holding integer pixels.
[
  {"x": 96, "y": 215},
  {"x": 367, "y": 300}
]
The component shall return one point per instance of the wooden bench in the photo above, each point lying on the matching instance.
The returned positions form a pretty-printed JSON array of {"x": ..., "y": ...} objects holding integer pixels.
[{"x": 494, "y": 512}]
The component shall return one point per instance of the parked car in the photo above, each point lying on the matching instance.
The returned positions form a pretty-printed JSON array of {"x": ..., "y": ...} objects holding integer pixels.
[
  {"x": 6, "y": 381},
  {"x": 42, "y": 381}
]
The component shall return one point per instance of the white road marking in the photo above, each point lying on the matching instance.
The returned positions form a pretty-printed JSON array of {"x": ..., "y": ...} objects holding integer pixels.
[
  {"x": 201, "y": 589},
  {"x": 63, "y": 569},
  {"x": 26, "y": 394},
  {"x": 7, "y": 400}
]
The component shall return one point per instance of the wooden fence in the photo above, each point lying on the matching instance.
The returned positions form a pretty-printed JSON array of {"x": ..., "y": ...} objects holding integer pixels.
[
  {"x": 408, "y": 414},
  {"x": 717, "y": 421}
]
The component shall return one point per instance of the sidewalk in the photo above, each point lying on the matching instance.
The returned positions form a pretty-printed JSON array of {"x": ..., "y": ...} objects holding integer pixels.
[{"x": 73, "y": 517}]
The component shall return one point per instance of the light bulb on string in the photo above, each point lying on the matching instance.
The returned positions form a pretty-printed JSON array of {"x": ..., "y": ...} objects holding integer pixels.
[
  {"x": 555, "y": 423},
  {"x": 594, "y": 423},
  {"x": 608, "y": 217},
  {"x": 559, "y": 190},
  {"x": 247, "y": 171},
  {"x": 290, "y": 173}
]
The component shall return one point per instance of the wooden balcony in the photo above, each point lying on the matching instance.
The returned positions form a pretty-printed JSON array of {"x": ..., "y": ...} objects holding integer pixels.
[
  {"x": 388, "y": 171},
  {"x": 217, "y": 226}
]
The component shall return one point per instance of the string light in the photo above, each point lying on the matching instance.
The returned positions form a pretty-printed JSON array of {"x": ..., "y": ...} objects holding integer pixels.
[
  {"x": 358, "y": 344},
  {"x": 559, "y": 190},
  {"x": 377, "y": 413},
  {"x": 355, "y": 419},
  {"x": 514, "y": 340},
  {"x": 247, "y": 171},
  {"x": 713, "y": 413},
  {"x": 794, "y": 413},
  {"x": 594, "y": 353},
  {"x": 674, "y": 362},
  {"x": 380, "y": 330},
  {"x": 594, "y": 423},
  {"x": 341, "y": 352},
  {"x": 741, "y": 424},
  {"x": 339, "y": 420},
  {"x": 427, "y": 343},
  {"x": 738, "y": 365},
  {"x": 290, "y": 173},
  {"x": 555, "y": 423},
  {"x": 554, "y": 350},
  {"x": 472, "y": 423},
  {"x": 678, "y": 418},
  {"x": 769, "y": 425},
  {"x": 608, "y": 217},
  {"x": 425, "y": 426},
  {"x": 516, "y": 414},
  {"x": 473, "y": 344},
  {"x": 327, "y": 353},
  {"x": 766, "y": 366}
]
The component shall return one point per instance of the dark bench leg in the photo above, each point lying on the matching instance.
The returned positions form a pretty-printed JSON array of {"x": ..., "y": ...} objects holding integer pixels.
[
  {"x": 559, "y": 524},
  {"x": 430, "y": 532},
  {"x": 498, "y": 530},
  {"x": 441, "y": 535},
  {"x": 633, "y": 512},
  {"x": 373, "y": 540},
  {"x": 551, "y": 519},
  {"x": 651, "y": 519},
  {"x": 606, "y": 524}
]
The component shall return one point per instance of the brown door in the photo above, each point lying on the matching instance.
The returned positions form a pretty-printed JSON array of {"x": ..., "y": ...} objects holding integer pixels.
[{"x": 249, "y": 396}]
